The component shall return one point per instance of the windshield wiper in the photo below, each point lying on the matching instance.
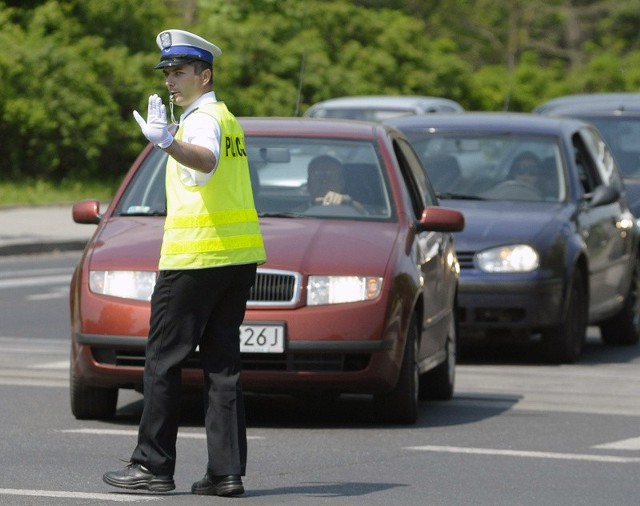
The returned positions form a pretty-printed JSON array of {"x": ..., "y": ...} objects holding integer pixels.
[
  {"x": 144, "y": 213},
  {"x": 278, "y": 215},
  {"x": 458, "y": 196}
]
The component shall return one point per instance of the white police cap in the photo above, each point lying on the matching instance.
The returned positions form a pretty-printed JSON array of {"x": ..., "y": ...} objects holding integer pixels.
[{"x": 178, "y": 47}]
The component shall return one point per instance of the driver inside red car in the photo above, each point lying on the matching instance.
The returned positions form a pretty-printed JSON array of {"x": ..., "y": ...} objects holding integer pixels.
[{"x": 326, "y": 183}]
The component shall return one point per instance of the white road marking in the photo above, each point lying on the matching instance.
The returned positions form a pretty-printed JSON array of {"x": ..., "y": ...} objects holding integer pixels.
[
  {"x": 40, "y": 383},
  {"x": 624, "y": 444},
  {"x": 60, "y": 365},
  {"x": 527, "y": 454},
  {"x": 34, "y": 281},
  {"x": 48, "y": 296},
  {"x": 36, "y": 272},
  {"x": 134, "y": 432},
  {"x": 116, "y": 497},
  {"x": 34, "y": 351},
  {"x": 26, "y": 344}
]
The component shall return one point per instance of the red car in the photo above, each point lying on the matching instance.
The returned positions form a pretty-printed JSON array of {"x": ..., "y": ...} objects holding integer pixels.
[{"x": 357, "y": 297}]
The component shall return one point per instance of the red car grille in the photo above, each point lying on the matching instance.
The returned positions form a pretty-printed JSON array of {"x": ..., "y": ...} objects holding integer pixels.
[{"x": 274, "y": 287}]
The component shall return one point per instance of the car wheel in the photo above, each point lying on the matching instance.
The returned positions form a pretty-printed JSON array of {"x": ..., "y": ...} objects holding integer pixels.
[
  {"x": 624, "y": 327},
  {"x": 400, "y": 405},
  {"x": 563, "y": 343},
  {"x": 438, "y": 383},
  {"x": 91, "y": 403}
]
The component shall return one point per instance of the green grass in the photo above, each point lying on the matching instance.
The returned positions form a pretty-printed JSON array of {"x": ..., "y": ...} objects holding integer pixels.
[{"x": 39, "y": 192}]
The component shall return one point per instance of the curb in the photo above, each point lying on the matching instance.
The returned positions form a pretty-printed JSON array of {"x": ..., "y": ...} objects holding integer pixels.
[{"x": 42, "y": 247}]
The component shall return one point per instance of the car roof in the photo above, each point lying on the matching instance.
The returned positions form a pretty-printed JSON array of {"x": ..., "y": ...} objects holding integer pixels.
[
  {"x": 412, "y": 102},
  {"x": 488, "y": 122},
  {"x": 310, "y": 127},
  {"x": 591, "y": 102}
]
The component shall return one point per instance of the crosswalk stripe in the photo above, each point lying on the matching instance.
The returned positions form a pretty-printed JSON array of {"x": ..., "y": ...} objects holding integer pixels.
[
  {"x": 624, "y": 444},
  {"x": 527, "y": 454},
  {"x": 134, "y": 432},
  {"x": 35, "y": 281},
  {"x": 62, "y": 365},
  {"x": 127, "y": 498}
]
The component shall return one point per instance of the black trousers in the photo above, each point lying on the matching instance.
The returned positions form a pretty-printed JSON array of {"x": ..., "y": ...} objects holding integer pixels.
[{"x": 202, "y": 307}]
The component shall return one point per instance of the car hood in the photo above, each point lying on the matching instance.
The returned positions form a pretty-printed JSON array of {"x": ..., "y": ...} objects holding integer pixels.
[
  {"x": 130, "y": 243},
  {"x": 313, "y": 246},
  {"x": 492, "y": 223},
  {"x": 303, "y": 245}
]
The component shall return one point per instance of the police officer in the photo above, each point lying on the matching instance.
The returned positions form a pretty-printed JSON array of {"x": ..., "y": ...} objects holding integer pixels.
[{"x": 211, "y": 246}]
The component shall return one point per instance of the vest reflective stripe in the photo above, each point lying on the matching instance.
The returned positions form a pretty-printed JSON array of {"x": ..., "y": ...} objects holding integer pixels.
[
  {"x": 217, "y": 244},
  {"x": 214, "y": 224},
  {"x": 212, "y": 220}
]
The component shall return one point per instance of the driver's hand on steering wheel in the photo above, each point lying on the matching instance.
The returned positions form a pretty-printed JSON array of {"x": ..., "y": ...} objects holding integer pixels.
[
  {"x": 339, "y": 199},
  {"x": 334, "y": 199}
]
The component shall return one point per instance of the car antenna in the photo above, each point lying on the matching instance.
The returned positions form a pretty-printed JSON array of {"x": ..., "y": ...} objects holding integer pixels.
[{"x": 300, "y": 78}]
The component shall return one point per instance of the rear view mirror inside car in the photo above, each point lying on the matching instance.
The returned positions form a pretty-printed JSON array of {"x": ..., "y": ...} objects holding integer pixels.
[{"x": 270, "y": 155}]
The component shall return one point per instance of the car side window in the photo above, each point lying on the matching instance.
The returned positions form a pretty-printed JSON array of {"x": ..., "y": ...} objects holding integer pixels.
[
  {"x": 585, "y": 164},
  {"x": 145, "y": 194},
  {"x": 604, "y": 161},
  {"x": 414, "y": 178}
]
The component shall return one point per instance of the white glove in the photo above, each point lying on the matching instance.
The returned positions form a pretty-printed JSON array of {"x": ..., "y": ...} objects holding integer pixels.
[{"x": 155, "y": 128}]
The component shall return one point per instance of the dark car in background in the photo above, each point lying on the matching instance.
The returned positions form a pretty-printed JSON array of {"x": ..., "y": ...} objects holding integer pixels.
[
  {"x": 354, "y": 298},
  {"x": 617, "y": 117},
  {"x": 380, "y": 107},
  {"x": 550, "y": 244}
]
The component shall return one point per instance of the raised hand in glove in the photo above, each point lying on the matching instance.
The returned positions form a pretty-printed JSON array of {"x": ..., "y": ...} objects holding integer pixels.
[{"x": 155, "y": 128}]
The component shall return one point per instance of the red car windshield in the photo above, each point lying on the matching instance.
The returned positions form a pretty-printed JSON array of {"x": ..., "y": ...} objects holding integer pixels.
[{"x": 291, "y": 176}]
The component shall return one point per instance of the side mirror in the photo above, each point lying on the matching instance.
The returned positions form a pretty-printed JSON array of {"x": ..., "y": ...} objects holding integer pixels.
[
  {"x": 440, "y": 219},
  {"x": 603, "y": 195},
  {"x": 86, "y": 211}
]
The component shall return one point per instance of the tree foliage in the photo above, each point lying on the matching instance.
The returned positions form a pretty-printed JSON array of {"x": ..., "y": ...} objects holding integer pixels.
[{"x": 72, "y": 71}]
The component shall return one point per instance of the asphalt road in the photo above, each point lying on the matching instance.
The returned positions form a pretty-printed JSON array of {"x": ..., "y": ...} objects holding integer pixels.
[{"x": 516, "y": 433}]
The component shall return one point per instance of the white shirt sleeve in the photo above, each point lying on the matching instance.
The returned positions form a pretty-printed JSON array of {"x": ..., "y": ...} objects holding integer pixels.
[{"x": 203, "y": 130}]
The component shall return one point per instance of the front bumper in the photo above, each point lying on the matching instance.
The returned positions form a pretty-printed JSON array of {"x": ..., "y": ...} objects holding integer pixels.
[
  {"x": 523, "y": 305},
  {"x": 347, "y": 366}
]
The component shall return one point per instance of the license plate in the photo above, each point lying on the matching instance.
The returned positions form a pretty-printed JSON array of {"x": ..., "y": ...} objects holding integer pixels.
[{"x": 262, "y": 338}]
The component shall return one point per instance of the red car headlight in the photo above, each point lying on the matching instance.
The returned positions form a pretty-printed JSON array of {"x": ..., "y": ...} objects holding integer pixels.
[
  {"x": 136, "y": 285},
  {"x": 323, "y": 290}
]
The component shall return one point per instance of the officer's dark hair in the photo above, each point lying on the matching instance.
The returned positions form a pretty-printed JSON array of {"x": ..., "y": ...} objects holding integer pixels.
[{"x": 200, "y": 66}]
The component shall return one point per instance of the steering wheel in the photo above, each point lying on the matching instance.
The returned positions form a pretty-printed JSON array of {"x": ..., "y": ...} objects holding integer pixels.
[
  {"x": 336, "y": 210},
  {"x": 515, "y": 190}
]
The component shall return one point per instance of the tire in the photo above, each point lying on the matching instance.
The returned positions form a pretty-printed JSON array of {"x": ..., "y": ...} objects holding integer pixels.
[
  {"x": 400, "y": 405},
  {"x": 91, "y": 403},
  {"x": 624, "y": 327},
  {"x": 438, "y": 383},
  {"x": 563, "y": 343}
]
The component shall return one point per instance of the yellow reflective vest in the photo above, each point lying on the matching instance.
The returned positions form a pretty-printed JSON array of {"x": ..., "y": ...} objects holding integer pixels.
[{"x": 215, "y": 224}]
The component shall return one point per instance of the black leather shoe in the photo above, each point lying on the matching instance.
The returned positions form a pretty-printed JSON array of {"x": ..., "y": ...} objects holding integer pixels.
[
  {"x": 136, "y": 476},
  {"x": 222, "y": 486}
]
